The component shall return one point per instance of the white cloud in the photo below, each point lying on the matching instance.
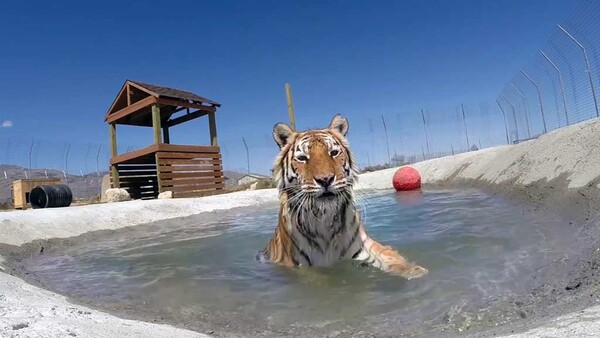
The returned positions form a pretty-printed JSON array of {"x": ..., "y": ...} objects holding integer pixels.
[{"x": 7, "y": 124}]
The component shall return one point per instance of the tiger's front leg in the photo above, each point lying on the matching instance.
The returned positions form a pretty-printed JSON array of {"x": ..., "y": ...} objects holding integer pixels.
[{"x": 386, "y": 258}]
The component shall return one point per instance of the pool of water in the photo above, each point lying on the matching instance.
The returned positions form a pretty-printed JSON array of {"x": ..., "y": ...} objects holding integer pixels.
[{"x": 482, "y": 252}]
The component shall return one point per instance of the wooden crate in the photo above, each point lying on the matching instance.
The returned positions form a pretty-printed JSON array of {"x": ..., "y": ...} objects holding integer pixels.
[{"x": 22, "y": 188}]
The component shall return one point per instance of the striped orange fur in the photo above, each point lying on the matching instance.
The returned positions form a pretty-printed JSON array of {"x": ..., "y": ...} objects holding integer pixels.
[{"x": 318, "y": 221}]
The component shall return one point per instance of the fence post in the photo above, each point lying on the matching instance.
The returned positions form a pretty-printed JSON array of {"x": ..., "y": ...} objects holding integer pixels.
[
  {"x": 387, "y": 143},
  {"x": 524, "y": 98},
  {"x": 539, "y": 98},
  {"x": 514, "y": 116},
  {"x": 66, "y": 171},
  {"x": 247, "y": 154},
  {"x": 462, "y": 107},
  {"x": 30, "y": 151},
  {"x": 587, "y": 66},
  {"x": 505, "y": 124},
  {"x": 425, "y": 127},
  {"x": 97, "y": 163},
  {"x": 562, "y": 88}
]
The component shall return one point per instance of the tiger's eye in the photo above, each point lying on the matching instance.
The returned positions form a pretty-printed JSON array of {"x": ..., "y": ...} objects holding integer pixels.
[
  {"x": 335, "y": 152},
  {"x": 302, "y": 158}
]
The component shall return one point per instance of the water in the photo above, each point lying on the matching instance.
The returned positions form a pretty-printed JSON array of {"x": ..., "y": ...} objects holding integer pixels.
[{"x": 482, "y": 252}]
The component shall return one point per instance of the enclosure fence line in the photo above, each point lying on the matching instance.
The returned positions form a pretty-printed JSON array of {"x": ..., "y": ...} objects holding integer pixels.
[{"x": 558, "y": 86}]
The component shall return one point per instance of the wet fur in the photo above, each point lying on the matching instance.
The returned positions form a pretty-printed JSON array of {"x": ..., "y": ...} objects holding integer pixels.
[{"x": 318, "y": 221}]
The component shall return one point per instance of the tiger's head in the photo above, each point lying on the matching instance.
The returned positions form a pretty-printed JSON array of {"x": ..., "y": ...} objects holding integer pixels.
[{"x": 315, "y": 163}]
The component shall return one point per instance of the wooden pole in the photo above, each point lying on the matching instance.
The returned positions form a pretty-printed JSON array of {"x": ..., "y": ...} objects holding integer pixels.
[
  {"x": 290, "y": 104},
  {"x": 156, "y": 124},
  {"x": 113, "y": 139},
  {"x": 212, "y": 123},
  {"x": 112, "y": 130}
]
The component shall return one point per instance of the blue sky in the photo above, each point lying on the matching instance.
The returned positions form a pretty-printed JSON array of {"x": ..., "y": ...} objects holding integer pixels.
[{"x": 62, "y": 63}]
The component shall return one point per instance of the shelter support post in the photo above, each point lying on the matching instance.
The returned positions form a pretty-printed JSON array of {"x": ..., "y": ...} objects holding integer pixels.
[
  {"x": 156, "y": 124},
  {"x": 213, "y": 128},
  {"x": 112, "y": 129}
]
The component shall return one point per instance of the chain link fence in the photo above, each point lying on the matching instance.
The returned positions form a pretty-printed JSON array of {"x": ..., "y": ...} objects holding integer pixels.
[
  {"x": 389, "y": 139},
  {"x": 80, "y": 165},
  {"x": 559, "y": 85}
]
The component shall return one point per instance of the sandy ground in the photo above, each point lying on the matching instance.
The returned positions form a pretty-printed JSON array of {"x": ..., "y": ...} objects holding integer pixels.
[{"x": 560, "y": 168}]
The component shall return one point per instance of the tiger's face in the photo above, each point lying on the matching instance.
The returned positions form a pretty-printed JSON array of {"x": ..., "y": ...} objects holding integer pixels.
[{"x": 317, "y": 163}]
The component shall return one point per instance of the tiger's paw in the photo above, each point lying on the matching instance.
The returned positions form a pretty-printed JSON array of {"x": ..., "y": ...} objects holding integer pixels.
[{"x": 409, "y": 272}]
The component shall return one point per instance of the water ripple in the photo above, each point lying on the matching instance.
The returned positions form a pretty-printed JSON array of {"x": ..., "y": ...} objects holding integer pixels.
[{"x": 478, "y": 247}]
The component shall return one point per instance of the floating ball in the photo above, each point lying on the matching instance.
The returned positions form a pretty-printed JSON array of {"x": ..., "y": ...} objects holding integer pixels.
[{"x": 406, "y": 178}]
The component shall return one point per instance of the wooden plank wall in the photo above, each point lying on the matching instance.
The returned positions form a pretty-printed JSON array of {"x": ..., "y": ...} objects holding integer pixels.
[
  {"x": 191, "y": 173},
  {"x": 140, "y": 180}
]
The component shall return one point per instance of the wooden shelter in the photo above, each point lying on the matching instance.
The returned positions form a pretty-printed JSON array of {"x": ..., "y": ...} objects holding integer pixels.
[{"x": 186, "y": 170}]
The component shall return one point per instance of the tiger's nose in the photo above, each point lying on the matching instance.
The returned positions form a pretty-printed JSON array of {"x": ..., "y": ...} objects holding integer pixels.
[{"x": 325, "y": 181}]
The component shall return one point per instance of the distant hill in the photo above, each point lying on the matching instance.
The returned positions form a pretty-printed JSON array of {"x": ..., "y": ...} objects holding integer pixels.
[
  {"x": 82, "y": 186},
  {"x": 232, "y": 177}
]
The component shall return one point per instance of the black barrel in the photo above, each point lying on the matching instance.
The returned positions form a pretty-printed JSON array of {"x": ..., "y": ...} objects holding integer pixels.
[{"x": 50, "y": 196}]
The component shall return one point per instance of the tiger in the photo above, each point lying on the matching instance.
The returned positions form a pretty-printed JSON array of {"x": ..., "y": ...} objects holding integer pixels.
[{"x": 319, "y": 224}]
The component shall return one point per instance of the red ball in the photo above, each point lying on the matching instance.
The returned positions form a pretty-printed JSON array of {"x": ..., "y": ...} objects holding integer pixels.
[{"x": 406, "y": 178}]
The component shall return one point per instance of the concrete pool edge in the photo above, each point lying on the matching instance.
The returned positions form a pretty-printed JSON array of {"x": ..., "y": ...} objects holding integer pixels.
[
  {"x": 559, "y": 171},
  {"x": 27, "y": 309},
  {"x": 20, "y": 227},
  {"x": 558, "y": 163}
]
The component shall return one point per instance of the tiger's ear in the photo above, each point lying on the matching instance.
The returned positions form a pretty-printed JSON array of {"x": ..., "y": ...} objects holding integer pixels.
[
  {"x": 282, "y": 133},
  {"x": 339, "y": 124}
]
